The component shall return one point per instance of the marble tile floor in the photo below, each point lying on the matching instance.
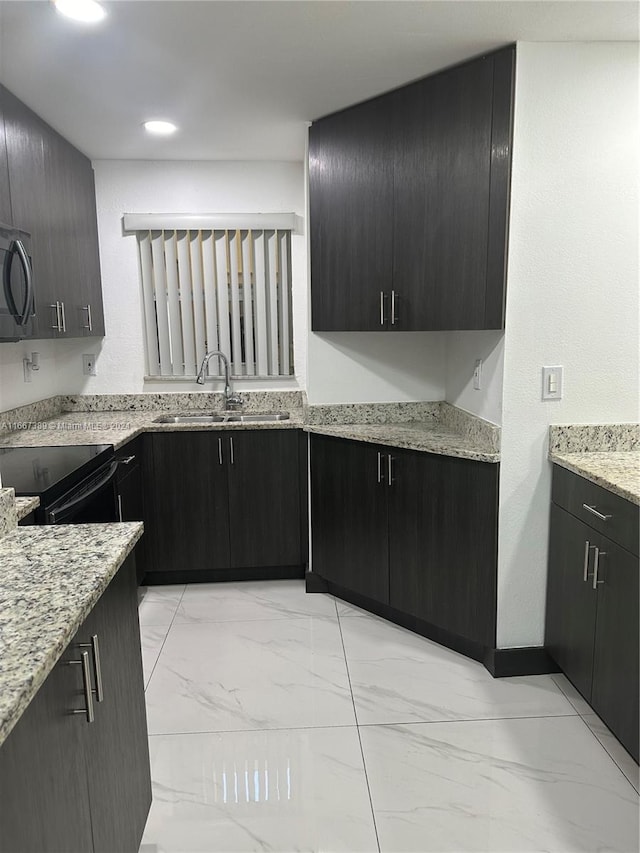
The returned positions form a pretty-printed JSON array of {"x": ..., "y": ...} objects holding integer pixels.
[{"x": 281, "y": 721}]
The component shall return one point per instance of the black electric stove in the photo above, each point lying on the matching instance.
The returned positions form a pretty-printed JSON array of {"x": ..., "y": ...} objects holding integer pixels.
[{"x": 74, "y": 482}]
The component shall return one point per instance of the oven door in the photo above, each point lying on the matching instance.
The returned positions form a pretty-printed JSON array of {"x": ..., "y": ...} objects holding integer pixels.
[
  {"x": 17, "y": 302},
  {"x": 91, "y": 501}
]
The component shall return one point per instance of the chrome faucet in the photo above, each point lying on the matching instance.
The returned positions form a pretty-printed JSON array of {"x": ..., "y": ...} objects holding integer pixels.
[{"x": 231, "y": 401}]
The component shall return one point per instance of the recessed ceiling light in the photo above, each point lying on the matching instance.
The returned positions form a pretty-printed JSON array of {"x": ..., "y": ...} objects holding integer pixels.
[
  {"x": 87, "y": 11},
  {"x": 161, "y": 128}
]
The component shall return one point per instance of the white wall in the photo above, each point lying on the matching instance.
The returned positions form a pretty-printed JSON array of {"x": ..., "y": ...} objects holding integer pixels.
[
  {"x": 462, "y": 351},
  {"x": 572, "y": 294}
]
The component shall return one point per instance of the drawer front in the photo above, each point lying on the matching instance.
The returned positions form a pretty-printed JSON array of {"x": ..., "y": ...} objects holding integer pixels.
[{"x": 575, "y": 494}]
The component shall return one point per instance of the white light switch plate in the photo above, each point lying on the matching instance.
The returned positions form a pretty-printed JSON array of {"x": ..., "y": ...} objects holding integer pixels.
[
  {"x": 89, "y": 364},
  {"x": 552, "y": 380}
]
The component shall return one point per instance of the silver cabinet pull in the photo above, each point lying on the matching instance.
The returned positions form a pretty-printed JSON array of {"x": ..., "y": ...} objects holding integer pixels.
[
  {"x": 595, "y": 512},
  {"x": 379, "y": 467},
  {"x": 86, "y": 683},
  {"x": 120, "y": 518},
  {"x": 220, "y": 451},
  {"x": 382, "y": 308},
  {"x": 390, "y": 469},
  {"x": 596, "y": 566},
  {"x": 233, "y": 461},
  {"x": 127, "y": 460},
  {"x": 58, "y": 324},
  {"x": 393, "y": 308},
  {"x": 94, "y": 645},
  {"x": 64, "y": 319},
  {"x": 89, "y": 325},
  {"x": 587, "y": 547}
]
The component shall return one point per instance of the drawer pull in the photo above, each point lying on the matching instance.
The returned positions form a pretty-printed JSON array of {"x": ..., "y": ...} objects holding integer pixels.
[
  {"x": 382, "y": 308},
  {"x": 596, "y": 566},
  {"x": 379, "y": 467},
  {"x": 94, "y": 645},
  {"x": 587, "y": 547},
  {"x": 595, "y": 512}
]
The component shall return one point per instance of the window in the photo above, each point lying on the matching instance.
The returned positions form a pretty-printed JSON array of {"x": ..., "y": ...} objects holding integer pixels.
[{"x": 209, "y": 289}]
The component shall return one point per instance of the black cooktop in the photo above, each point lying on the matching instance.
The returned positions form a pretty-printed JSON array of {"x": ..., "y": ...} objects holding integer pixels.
[{"x": 50, "y": 470}]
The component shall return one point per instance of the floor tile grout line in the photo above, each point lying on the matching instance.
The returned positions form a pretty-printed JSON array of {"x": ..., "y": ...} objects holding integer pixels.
[
  {"x": 253, "y": 731},
  {"x": 582, "y": 717},
  {"x": 473, "y": 720},
  {"x": 611, "y": 758},
  {"x": 355, "y": 713},
  {"x": 184, "y": 589}
]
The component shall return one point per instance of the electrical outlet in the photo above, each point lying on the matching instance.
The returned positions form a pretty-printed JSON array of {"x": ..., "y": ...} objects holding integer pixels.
[
  {"x": 552, "y": 382},
  {"x": 477, "y": 374},
  {"x": 89, "y": 364}
]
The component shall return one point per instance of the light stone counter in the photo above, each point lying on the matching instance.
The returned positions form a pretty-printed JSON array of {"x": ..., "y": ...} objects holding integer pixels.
[
  {"x": 50, "y": 579},
  {"x": 427, "y": 437},
  {"x": 616, "y": 471},
  {"x": 26, "y": 505}
]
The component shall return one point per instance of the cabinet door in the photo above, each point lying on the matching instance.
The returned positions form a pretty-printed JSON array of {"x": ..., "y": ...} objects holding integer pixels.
[
  {"x": 349, "y": 516},
  {"x": 443, "y": 541},
  {"x": 615, "y": 666},
  {"x": 117, "y": 751},
  {"x": 44, "y": 803},
  {"x": 350, "y": 203},
  {"x": 188, "y": 508},
  {"x": 442, "y": 173},
  {"x": 24, "y": 134},
  {"x": 264, "y": 498},
  {"x": 91, "y": 307},
  {"x": 571, "y": 601},
  {"x": 5, "y": 199}
]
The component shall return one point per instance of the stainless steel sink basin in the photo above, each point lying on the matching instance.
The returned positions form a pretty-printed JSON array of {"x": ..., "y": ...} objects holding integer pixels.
[
  {"x": 257, "y": 418},
  {"x": 231, "y": 418},
  {"x": 190, "y": 419}
]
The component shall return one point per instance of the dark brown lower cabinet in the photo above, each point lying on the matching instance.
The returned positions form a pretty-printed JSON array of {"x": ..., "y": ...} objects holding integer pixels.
[
  {"x": 592, "y": 602},
  {"x": 349, "y": 516},
  {"x": 130, "y": 494},
  {"x": 72, "y": 786},
  {"x": 407, "y": 529},
  {"x": 224, "y": 503}
]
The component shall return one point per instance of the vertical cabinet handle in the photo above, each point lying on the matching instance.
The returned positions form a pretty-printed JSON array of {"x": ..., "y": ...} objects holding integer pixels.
[
  {"x": 596, "y": 565},
  {"x": 89, "y": 324},
  {"x": 382, "y": 308},
  {"x": 86, "y": 683},
  {"x": 58, "y": 324},
  {"x": 219, "y": 451},
  {"x": 94, "y": 645},
  {"x": 393, "y": 308},
  {"x": 64, "y": 319},
  {"x": 390, "y": 469},
  {"x": 233, "y": 461},
  {"x": 120, "y": 518},
  {"x": 379, "y": 467},
  {"x": 587, "y": 547}
]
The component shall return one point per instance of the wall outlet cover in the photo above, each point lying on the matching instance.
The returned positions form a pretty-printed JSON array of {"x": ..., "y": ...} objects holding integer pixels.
[
  {"x": 89, "y": 364},
  {"x": 477, "y": 374}
]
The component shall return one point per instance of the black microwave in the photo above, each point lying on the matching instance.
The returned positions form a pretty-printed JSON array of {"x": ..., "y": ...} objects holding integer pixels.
[{"x": 17, "y": 297}]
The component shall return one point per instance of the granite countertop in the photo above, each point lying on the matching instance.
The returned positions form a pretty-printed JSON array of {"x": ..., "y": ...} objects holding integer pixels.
[
  {"x": 50, "y": 579},
  {"x": 617, "y": 471},
  {"x": 26, "y": 505},
  {"x": 119, "y": 427},
  {"x": 431, "y": 437}
]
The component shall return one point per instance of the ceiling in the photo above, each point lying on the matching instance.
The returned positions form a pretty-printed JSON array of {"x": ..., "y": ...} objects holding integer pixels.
[{"x": 242, "y": 78}]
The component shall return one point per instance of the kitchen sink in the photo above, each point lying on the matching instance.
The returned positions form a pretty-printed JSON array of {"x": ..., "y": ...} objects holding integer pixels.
[
  {"x": 231, "y": 418},
  {"x": 190, "y": 419}
]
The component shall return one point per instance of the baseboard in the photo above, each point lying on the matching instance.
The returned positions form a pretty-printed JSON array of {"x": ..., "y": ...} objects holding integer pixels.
[
  {"x": 315, "y": 583},
  {"x": 464, "y": 646},
  {"x": 260, "y": 573},
  {"x": 534, "y": 660}
]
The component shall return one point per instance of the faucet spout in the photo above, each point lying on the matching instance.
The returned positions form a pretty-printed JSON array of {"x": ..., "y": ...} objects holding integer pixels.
[{"x": 230, "y": 400}]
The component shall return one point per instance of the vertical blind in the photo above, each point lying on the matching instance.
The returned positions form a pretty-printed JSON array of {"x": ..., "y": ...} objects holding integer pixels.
[{"x": 226, "y": 290}]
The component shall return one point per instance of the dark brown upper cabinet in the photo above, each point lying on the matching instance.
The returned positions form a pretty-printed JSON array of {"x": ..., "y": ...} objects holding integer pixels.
[
  {"x": 409, "y": 197},
  {"x": 50, "y": 193}
]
